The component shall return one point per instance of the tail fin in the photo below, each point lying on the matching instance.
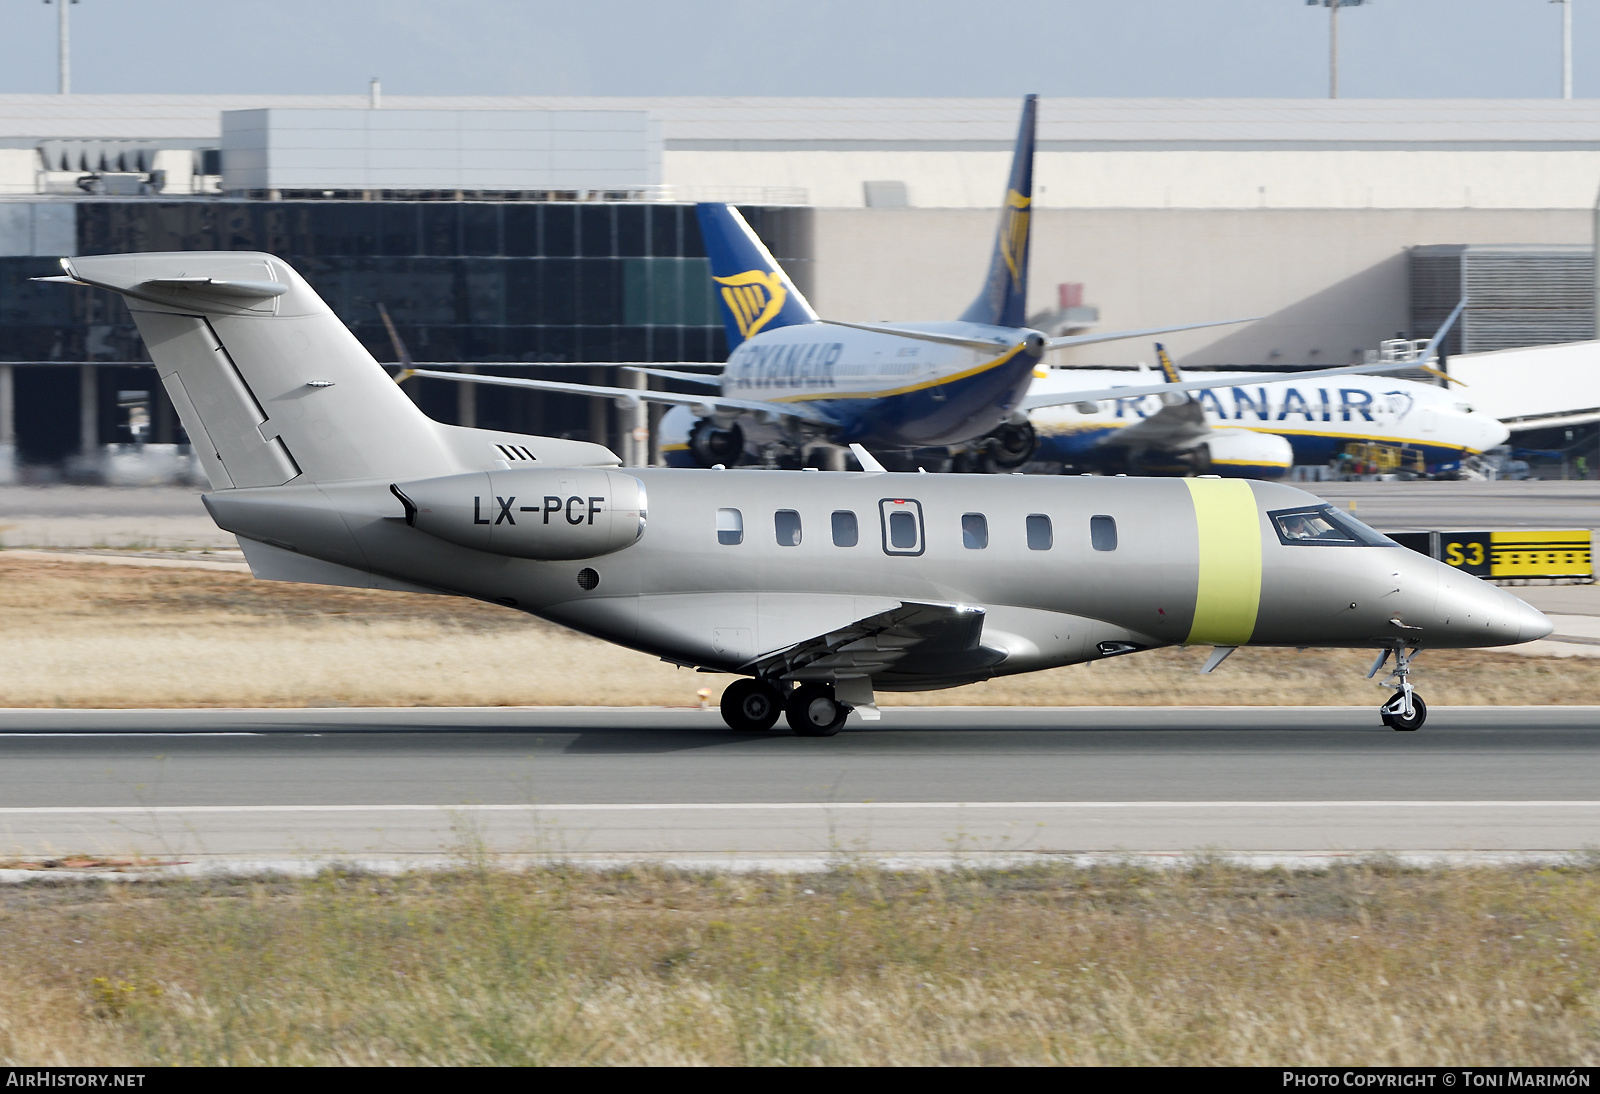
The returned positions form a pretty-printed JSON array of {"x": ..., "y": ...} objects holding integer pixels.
[
  {"x": 1168, "y": 369},
  {"x": 756, "y": 294},
  {"x": 269, "y": 384},
  {"x": 1004, "y": 299}
]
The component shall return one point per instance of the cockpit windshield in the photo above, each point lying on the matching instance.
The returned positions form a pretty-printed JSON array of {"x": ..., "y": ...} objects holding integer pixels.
[{"x": 1324, "y": 526}]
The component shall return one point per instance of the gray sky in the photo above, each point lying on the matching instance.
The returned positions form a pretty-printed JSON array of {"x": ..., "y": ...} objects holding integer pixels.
[{"x": 1394, "y": 48}]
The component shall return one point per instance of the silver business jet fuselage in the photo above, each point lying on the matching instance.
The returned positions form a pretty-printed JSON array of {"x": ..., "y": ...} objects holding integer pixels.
[{"x": 818, "y": 587}]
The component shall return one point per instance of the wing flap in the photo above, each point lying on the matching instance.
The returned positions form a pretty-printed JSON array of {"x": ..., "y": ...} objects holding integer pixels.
[{"x": 919, "y": 637}]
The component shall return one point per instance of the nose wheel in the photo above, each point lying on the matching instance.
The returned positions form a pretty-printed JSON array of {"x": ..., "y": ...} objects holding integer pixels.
[{"x": 1405, "y": 711}]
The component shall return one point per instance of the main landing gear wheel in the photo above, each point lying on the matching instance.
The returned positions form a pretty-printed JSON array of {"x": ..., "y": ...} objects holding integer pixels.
[
  {"x": 1397, "y": 719},
  {"x": 751, "y": 706},
  {"x": 812, "y": 711}
]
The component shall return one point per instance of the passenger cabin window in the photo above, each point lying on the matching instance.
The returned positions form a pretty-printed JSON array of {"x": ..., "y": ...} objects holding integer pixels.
[
  {"x": 1324, "y": 526},
  {"x": 730, "y": 527},
  {"x": 846, "y": 533},
  {"x": 974, "y": 531},
  {"x": 902, "y": 531},
  {"x": 902, "y": 526},
  {"x": 1103, "y": 533},
  {"x": 1040, "y": 536},
  {"x": 786, "y": 522}
]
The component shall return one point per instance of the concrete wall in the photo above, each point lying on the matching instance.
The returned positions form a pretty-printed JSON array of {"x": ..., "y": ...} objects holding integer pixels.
[
  {"x": 1293, "y": 179},
  {"x": 1328, "y": 282},
  {"x": 439, "y": 149}
]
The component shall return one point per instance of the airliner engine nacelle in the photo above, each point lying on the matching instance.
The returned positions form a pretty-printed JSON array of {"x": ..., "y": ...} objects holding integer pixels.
[
  {"x": 550, "y": 514},
  {"x": 1246, "y": 453}
]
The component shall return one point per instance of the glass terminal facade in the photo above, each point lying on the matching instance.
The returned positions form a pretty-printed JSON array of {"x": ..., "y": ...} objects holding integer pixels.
[{"x": 531, "y": 282}]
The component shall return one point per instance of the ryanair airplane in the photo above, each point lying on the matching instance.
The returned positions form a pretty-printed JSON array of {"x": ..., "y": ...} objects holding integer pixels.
[
  {"x": 1254, "y": 426},
  {"x": 794, "y": 381}
]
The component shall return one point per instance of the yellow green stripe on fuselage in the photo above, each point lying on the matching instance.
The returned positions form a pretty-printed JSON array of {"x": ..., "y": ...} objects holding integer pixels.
[{"x": 1228, "y": 594}]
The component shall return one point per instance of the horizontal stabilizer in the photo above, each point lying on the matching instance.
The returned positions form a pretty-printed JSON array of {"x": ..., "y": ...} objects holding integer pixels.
[
  {"x": 986, "y": 345},
  {"x": 244, "y": 290},
  {"x": 703, "y": 404}
]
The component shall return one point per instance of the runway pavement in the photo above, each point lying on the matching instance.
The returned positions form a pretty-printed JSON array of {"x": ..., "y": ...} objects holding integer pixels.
[{"x": 199, "y": 786}]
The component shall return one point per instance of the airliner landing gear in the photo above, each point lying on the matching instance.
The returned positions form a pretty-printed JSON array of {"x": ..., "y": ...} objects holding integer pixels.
[
  {"x": 812, "y": 711},
  {"x": 1405, "y": 711},
  {"x": 751, "y": 706}
]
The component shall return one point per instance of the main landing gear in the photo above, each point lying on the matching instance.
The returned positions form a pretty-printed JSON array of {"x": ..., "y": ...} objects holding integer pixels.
[
  {"x": 812, "y": 710},
  {"x": 1405, "y": 711},
  {"x": 751, "y": 706}
]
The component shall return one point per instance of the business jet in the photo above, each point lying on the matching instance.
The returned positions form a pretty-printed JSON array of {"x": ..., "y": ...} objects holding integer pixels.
[{"x": 818, "y": 589}]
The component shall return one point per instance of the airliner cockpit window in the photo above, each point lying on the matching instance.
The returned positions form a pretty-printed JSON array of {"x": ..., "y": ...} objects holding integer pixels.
[{"x": 1324, "y": 526}]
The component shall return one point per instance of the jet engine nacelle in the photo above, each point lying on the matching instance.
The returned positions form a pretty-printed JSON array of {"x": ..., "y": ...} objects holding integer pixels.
[
  {"x": 1246, "y": 454},
  {"x": 550, "y": 514}
]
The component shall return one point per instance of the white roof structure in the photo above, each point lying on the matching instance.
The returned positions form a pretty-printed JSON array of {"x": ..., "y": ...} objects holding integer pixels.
[
  {"x": 1064, "y": 124},
  {"x": 952, "y": 153}
]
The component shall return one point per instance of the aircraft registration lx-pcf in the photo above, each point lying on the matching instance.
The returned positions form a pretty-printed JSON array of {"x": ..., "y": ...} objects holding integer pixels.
[{"x": 820, "y": 588}]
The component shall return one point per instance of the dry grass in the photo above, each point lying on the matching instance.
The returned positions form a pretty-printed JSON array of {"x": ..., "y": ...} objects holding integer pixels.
[
  {"x": 87, "y": 635},
  {"x": 1366, "y": 964}
]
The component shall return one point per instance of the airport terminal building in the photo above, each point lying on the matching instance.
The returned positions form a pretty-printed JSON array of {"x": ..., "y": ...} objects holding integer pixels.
[{"x": 527, "y": 233}]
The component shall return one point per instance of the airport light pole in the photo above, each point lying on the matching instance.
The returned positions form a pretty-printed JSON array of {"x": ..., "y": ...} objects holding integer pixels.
[
  {"x": 1566, "y": 47},
  {"x": 63, "y": 52},
  {"x": 1333, "y": 7}
]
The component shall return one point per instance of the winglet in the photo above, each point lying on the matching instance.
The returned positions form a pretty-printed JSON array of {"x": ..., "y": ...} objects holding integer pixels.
[{"x": 867, "y": 460}]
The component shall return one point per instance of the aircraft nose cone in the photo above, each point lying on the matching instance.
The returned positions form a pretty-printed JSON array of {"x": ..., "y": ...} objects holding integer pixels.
[{"x": 1531, "y": 622}]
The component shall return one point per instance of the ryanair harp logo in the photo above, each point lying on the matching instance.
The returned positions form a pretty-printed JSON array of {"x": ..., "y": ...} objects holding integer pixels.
[
  {"x": 1014, "y": 239},
  {"x": 754, "y": 298}
]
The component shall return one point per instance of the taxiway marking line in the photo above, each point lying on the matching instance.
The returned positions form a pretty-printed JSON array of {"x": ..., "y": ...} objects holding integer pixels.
[{"x": 635, "y": 807}]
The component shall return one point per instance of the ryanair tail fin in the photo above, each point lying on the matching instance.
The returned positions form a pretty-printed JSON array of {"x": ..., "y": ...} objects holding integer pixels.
[
  {"x": 1003, "y": 301},
  {"x": 756, "y": 294},
  {"x": 1168, "y": 369}
]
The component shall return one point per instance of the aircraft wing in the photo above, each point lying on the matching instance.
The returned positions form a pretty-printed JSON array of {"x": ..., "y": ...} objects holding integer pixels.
[
  {"x": 1175, "y": 426},
  {"x": 1119, "y": 335},
  {"x": 1061, "y": 398},
  {"x": 710, "y": 378},
  {"x": 922, "y": 632},
  {"x": 1033, "y": 342},
  {"x": 631, "y": 396}
]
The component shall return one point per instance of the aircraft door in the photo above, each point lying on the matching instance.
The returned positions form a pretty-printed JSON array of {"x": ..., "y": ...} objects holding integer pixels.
[{"x": 902, "y": 526}]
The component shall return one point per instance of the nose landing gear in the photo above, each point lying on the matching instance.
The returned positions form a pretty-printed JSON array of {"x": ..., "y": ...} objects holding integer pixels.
[{"x": 1405, "y": 711}]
